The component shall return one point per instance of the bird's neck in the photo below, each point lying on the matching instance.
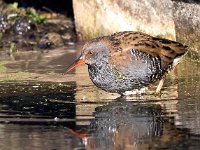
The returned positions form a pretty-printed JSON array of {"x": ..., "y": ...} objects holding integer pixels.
[{"x": 99, "y": 65}]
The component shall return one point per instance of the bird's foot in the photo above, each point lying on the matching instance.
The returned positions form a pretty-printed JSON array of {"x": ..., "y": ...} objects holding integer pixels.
[
  {"x": 136, "y": 92},
  {"x": 158, "y": 93},
  {"x": 160, "y": 85}
]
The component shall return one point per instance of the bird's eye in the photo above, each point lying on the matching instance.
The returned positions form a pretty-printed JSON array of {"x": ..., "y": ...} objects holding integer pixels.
[{"x": 91, "y": 52}]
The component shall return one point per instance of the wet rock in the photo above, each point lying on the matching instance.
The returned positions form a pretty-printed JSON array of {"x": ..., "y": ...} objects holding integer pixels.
[
  {"x": 4, "y": 25},
  {"x": 187, "y": 24},
  {"x": 27, "y": 29},
  {"x": 50, "y": 40},
  {"x": 23, "y": 25},
  {"x": 187, "y": 1},
  {"x": 173, "y": 19},
  {"x": 95, "y": 18},
  {"x": 62, "y": 26}
]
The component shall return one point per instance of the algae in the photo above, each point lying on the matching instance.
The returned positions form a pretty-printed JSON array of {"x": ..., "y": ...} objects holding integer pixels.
[
  {"x": 2, "y": 67},
  {"x": 14, "y": 76}
]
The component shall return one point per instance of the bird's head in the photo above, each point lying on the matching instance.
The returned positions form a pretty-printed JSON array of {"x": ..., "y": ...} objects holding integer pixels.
[{"x": 92, "y": 53}]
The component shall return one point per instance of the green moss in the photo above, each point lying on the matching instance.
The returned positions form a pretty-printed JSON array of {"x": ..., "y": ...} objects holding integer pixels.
[
  {"x": 35, "y": 17},
  {"x": 2, "y": 67},
  {"x": 15, "y": 76},
  {"x": 13, "y": 5},
  {"x": 1, "y": 36},
  {"x": 13, "y": 47}
]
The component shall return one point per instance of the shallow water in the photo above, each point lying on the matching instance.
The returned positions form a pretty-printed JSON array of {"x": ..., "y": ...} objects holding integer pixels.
[{"x": 41, "y": 108}]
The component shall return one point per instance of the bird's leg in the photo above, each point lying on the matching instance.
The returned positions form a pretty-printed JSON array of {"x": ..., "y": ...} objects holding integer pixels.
[
  {"x": 160, "y": 85},
  {"x": 121, "y": 98}
]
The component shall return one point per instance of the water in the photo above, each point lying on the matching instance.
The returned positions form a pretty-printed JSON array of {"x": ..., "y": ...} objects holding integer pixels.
[{"x": 42, "y": 108}]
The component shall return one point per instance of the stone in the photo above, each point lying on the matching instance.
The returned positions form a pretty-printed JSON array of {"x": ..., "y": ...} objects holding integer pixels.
[
  {"x": 187, "y": 24},
  {"x": 172, "y": 19},
  {"x": 97, "y": 17}
]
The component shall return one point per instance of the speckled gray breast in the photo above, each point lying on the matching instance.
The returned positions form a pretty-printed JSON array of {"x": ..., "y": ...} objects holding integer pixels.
[{"x": 143, "y": 69}]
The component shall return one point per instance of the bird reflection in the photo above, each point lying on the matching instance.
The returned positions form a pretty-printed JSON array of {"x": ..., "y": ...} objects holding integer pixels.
[{"x": 123, "y": 125}]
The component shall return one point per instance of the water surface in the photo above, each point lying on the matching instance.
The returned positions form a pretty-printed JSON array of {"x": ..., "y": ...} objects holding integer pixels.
[{"x": 42, "y": 108}]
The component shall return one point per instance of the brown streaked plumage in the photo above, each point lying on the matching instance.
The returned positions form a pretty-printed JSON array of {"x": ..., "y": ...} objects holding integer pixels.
[
  {"x": 167, "y": 50},
  {"x": 128, "y": 60}
]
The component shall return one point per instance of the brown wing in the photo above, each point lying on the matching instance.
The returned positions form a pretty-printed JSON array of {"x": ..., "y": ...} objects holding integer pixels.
[{"x": 167, "y": 50}]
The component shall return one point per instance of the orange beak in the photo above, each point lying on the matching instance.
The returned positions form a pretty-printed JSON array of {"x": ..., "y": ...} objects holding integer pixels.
[{"x": 78, "y": 62}]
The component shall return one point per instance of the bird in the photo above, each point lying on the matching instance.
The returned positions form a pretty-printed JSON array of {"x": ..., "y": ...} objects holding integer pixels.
[{"x": 129, "y": 60}]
